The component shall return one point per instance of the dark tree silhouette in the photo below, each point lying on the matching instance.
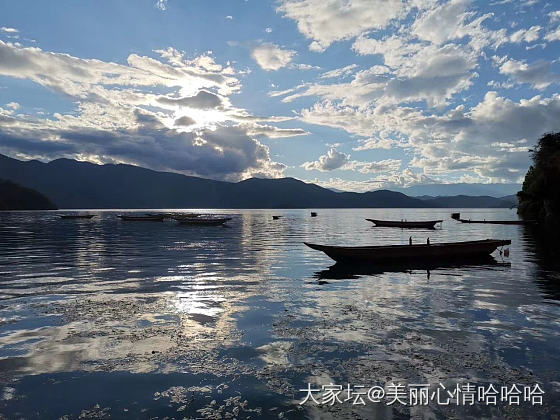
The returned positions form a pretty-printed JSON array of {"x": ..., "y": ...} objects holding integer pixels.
[
  {"x": 16, "y": 197},
  {"x": 540, "y": 197}
]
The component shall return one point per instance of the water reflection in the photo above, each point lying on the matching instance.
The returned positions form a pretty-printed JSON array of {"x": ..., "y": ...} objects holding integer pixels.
[
  {"x": 179, "y": 317},
  {"x": 341, "y": 271}
]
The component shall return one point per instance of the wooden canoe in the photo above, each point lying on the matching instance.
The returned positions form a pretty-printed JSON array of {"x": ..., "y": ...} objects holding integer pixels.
[
  {"x": 76, "y": 216},
  {"x": 436, "y": 252},
  {"x": 142, "y": 218},
  {"x": 427, "y": 224},
  {"x": 499, "y": 222},
  {"x": 457, "y": 216},
  {"x": 181, "y": 216},
  {"x": 204, "y": 221}
]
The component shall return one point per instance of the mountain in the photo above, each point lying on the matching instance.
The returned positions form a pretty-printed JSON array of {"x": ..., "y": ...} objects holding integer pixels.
[
  {"x": 74, "y": 184},
  {"x": 492, "y": 190},
  {"x": 465, "y": 201},
  {"x": 16, "y": 197}
]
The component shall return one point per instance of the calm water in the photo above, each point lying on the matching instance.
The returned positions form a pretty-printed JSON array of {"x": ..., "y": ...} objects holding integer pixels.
[{"x": 147, "y": 320}]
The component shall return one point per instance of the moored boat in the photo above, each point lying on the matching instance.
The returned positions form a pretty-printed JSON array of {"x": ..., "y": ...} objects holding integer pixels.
[
  {"x": 276, "y": 217},
  {"x": 76, "y": 216},
  {"x": 500, "y": 222},
  {"x": 427, "y": 224},
  {"x": 434, "y": 251},
  {"x": 204, "y": 221},
  {"x": 313, "y": 214},
  {"x": 142, "y": 218},
  {"x": 181, "y": 216},
  {"x": 457, "y": 216}
]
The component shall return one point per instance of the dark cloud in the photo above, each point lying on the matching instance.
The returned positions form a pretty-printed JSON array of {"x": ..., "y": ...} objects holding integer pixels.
[
  {"x": 202, "y": 100},
  {"x": 184, "y": 121}
]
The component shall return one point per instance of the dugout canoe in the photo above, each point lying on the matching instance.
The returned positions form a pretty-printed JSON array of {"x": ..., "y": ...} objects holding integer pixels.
[
  {"x": 142, "y": 218},
  {"x": 204, "y": 221},
  {"x": 455, "y": 251},
  {"x": 426, "y": 224},
  {"x": 457, "y": 216},
  {"x": 500, "y": 222},
  {"x": 76, "y": 216}
]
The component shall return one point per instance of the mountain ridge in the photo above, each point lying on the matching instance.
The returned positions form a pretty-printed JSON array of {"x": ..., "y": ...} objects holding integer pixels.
[{"x": 75, "y": 184}]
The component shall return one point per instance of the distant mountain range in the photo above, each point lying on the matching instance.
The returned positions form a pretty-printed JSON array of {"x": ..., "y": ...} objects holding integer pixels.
[{"x": 73, "y": 184}]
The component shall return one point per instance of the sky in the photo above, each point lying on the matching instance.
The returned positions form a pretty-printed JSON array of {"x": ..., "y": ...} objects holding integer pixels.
[{"x": 354, "y": 95}]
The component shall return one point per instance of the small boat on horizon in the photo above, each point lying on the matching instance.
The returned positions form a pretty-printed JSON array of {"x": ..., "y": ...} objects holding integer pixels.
[
  {"x": 142, "y": 218},
  {"x": 313, "y": 214},
  {"x": 427, "y": 224},
  {"x": 436, "y": 251},
  {"x": 204, "y": 221},
  {"x": 76, "y": 216},
  {"x": 457, "y": 216},
  {"x": 276, "y": 217}
]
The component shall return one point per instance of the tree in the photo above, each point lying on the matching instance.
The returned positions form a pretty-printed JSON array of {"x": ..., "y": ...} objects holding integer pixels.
[{"x": 539, "y": 198}]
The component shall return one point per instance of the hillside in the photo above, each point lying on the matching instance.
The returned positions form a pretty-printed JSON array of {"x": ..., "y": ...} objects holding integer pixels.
[{"x": 16, "y": 197}]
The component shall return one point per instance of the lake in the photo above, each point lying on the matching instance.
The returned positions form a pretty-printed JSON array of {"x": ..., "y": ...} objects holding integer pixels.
[{"x": 104, "y": 318}]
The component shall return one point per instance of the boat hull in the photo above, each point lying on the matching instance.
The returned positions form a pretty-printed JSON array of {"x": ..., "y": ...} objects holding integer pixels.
[
  {"x": 500, "y": 222},
  {"x": 197, "y": 221},
  {"x": 158, "y": 218},
  {"x": 454, "y": 251},
  {"x": 428, "y": 224}
]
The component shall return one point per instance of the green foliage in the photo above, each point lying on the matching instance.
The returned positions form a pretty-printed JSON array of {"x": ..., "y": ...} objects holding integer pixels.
[{"x": 540, "y": 196}]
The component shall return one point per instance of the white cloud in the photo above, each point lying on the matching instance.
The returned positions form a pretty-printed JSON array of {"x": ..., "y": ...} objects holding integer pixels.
[
  {"x": 375, "y": 143},
  {"x": 443, "y": 23},
  {"x": 121, "y": 115},
  {"x": 340, "y": 72},
  {"x": 332, "y": 160},
  {"x": 327, "y": 21},
  {"x": 538, "y": 74},
  {"x": 461, "y": 140},
  {"x": 526, "y": 35},
  {"x": 8, "y": 30},
  {"x": 161, "y": 5},
  {"x": 553, "y": 35},
  {"x": 272, "y": 57},
  {"x": 13, "y": 106}
]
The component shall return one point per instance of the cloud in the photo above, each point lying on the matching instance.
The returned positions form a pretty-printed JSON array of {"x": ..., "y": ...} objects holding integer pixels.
[
  {"x": 553, "y": 35},
  {"x": 161, "y": 5},
  {"x": 272, "y": 57},
  {"x": 202, "y": 100},
  {"x": 538, "y": 74},
  {"x": 340, "y": 72},
  {"x": 526, "y": 35},
  {"x": 184, "y": 121},
  {"x": 375, "y": 143},
  {"x": 14, "y": 106},
  {"x": 8, "y": 30},
  {"x": 332, "y": 160},
  {"x": 432, "y": 74},
  {"x": 443, "y": 23},
  {"x": 327, "y": 21},
  {"x": 461, "y": 140},
  {"x": 121, "y": 116}
]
